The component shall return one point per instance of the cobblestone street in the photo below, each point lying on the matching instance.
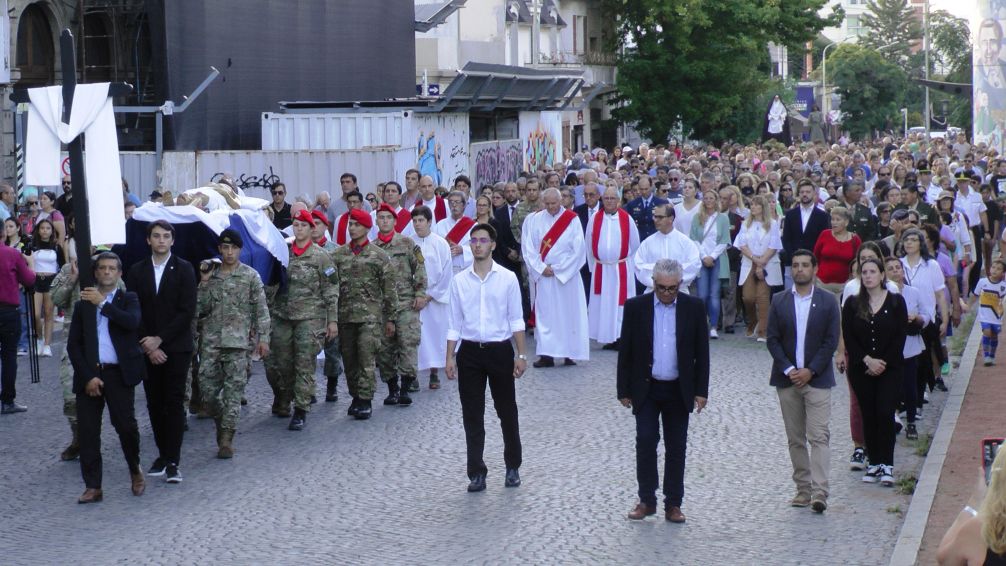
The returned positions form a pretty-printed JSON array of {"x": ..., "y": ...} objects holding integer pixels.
[{"x": 392, "y": 489}]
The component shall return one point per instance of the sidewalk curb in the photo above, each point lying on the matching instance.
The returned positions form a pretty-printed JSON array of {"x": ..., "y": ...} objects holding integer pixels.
[{"x": 912, "y": 530}]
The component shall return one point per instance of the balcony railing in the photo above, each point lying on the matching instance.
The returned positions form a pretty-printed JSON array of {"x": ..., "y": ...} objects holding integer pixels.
[{"x": 569, "y": 58}]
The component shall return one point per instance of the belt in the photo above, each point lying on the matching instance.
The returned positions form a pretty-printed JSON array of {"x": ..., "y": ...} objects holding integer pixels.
[
  {"x": 103, "y": 367},
  {"x": 662, "y": 381},
  {"x": 485, "y": 344},
  {"x": 5, "y": 307}
]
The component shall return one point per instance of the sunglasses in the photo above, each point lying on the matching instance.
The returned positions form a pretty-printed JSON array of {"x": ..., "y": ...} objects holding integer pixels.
[
  {"x": 278, "y": 193},
  {"x": 33, "y": 203}
]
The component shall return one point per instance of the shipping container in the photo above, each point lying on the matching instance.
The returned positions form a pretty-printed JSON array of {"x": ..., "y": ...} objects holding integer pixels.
[{"x": 337, "y": 131}]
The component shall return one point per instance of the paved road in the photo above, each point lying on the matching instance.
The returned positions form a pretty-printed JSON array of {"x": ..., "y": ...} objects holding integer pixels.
[{"x": 392, "y": 489}]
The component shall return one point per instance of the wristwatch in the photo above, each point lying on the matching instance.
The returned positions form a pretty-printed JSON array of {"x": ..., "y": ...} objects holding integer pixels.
[{"x": 521, "y": 357}]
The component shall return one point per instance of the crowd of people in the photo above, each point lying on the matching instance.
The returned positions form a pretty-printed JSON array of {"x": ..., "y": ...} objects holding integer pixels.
[{"x": 903, "y": 235}]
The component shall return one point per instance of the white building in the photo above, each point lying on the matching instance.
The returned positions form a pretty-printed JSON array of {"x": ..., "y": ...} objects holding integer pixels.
[{"x": 852, "y": 25}]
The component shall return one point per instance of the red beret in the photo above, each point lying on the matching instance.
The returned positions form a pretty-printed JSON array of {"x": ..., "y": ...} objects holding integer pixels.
[
  {"x": 304, "y": 216},
  {"x": 361, "y": 217},
  {"x": 385, "y": 207},
  {"x": 320, "y": 216}
]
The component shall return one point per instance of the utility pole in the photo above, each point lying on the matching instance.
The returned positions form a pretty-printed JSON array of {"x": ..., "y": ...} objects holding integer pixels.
[
  {"x": 535, "y": 8},
  {"x": 925, "y": 41}
]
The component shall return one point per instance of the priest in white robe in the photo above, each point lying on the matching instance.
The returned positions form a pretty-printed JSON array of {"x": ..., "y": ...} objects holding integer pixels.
[
  {"x": 612, "y": 239},
  {"x": 553, "y": 250},
  {"x": 434, "y": 307},
  {"x": 667, "y": 243},
  {"x": 456, "y": 229}
]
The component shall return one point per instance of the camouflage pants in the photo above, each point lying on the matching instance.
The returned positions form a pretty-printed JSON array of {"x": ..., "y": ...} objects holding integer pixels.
[
  {"x": 66, "y": 384},
  {"x": 360, "y": 343},
  {"x": 291, "y": 363},
  {"x": 222, "y": 378},
  {"x": 333, "y": 361},
  {"x": 193, "y": 399},
  {"x": 399, "y": 354}
]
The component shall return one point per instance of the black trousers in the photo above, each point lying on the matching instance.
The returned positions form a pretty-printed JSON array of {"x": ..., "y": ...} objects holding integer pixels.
[
  {"x": 878, "y": 400},
  {"x": 977, "y": 239},
  {"x": 664, "y": 402},
  {"x": 119, "y": 397},
  {"x": 165, "y": 389},
  {"x": 477, "y": 365},
  {"x": 910, "y": 382},
  {"x": 10, "y": 332}
]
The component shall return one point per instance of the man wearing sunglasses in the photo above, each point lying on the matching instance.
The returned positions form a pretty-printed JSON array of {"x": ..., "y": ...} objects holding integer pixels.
[{"x": 281, "y": 217}]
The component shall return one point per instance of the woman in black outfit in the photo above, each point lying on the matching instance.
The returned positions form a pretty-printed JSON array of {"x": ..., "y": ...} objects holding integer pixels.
[{"x": 873, "y": 325}]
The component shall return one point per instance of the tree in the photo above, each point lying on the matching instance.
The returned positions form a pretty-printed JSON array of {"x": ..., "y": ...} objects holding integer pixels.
[
  {"x": 891, "y": 24},
  {"x": 950, "y": 57},
  {"x": 695, "y": 63},
  {"x": 872, "y": 88}
]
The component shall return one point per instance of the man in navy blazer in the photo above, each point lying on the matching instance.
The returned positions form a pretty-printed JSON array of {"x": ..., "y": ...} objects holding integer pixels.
[
  {"x": 591, "y": 204},
  {"x": 803, "y": 223},
  {"x": 663, "y": 373},
  {"x": 166, "y": 287},
  {"x": 111, "y": 379},
  {"x": 803, "y": 376}
]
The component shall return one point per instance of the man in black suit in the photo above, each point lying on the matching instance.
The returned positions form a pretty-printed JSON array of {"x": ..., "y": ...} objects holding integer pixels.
[
  {"x": 663, "y": 374},
  {"x": 166, "y": 287},
  {"x": 591, "y": 198},
  {"x": 641, "y": 210},
  {"x": 110, "y": 379},
  {"x": 802, "y": 225},
  {"x": 803, "y": 376},
  {"x": 508, "y": 252}
]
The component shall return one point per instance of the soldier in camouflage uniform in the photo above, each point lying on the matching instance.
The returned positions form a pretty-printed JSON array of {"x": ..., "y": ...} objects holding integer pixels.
[
  {"x": 230, "y": 307},
  {"x": 65, "y": 293},
  {"x": 304, "y": 315},
  {"x": 531, "y": 204},
  {"x": 368, "y": 298},
  {"x": 333, "y": 360},
  {"x": 398, "y": 358}
]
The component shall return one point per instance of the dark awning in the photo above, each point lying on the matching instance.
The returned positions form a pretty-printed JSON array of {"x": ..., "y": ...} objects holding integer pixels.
[
  {"x": 429, "y": 16},
  {"x": 484, "y": 87}
]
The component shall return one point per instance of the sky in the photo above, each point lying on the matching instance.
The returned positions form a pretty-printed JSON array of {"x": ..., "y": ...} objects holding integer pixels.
[{"x": 959, "y": 8}]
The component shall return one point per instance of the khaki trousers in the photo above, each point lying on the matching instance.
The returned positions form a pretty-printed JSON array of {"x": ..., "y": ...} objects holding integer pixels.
[{"x": 806, "y": 412}]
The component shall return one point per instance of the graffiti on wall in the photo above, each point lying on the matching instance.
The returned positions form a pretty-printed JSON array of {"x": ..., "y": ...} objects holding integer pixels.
[
  {"x": 495, "y": 161},
  {"x": 541, "y": 138},
  {"x": 441, "y": 146}
]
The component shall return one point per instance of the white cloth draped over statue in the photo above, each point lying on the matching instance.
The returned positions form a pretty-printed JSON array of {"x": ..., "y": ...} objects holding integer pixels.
[
  {"x": 92, "y": 116},
  {"x": 673, "y": 245},
  {"x": 604, "y": 311},
  {"x": 560, "y": 307},
  {"x": 433, "y": 319},
  {"x": 776, "y": 116}
]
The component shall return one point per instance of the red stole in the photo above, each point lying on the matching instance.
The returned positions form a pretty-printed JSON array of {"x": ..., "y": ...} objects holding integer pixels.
[
  {"x": 459, "y": 230},
  {"x": 404, "y": 217},
  {"x": 439, "y": 208},
  {"x": 555, "y": 232},
  {"x": 623, "y": 254},
  {"x": 342, "y": 230}
]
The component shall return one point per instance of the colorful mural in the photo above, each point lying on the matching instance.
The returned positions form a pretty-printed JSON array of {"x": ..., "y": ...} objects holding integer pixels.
[
  {"x": 541, "y": 136},
  {"x": 988, "y": 77},
  {"x": 441, "y": 145}
]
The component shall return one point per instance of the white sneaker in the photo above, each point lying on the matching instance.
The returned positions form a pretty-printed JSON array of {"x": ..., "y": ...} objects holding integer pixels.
[
  {"x": 59, "y": 319},
  {"x": 22, "y": 352},
  {"x": 39, "y": 344},
  {"x": 713, "y": 334},
  {"x": 761, "y": 339},
  {"x": 872, "y": 474},
  {"x": 887, "y": 476},
  {"x": 46, "y": 352}
]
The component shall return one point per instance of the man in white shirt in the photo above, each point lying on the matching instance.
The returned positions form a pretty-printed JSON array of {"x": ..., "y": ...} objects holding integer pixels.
[
  {"x": 485, "y": 313},
  {"x": 803, "y": 332},
  {"x": 969, "y": 201},
  {"x": 455, "y": 230},
  {"x": 666, "y": 243}
]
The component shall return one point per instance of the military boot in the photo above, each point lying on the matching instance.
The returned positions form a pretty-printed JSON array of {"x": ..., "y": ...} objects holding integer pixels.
[
  {"x": 353, "y": 407},
  {"x": 298, "y": 420},
  {"x": 71, "y": 452},
  {"x": 393, "y": 392},
  {"x": 224, "y": 440},
  {"x": 404, "y": 399},
  {"x": 364, "y": 410},
  {"x": 331, "y": 394},
  {"x": 414, "y": 384}
]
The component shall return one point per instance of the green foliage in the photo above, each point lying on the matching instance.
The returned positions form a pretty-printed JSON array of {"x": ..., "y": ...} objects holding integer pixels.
[
  {"x": 891, "y": 23},
  {"x": 699, "y": 64},
  {"x": 950, "y": 40},
  {"x": 872, "y": 88}
]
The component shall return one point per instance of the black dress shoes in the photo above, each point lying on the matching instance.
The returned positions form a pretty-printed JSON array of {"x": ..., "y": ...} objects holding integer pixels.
[
  {"x": 569, "y": 362},
  {"x": 611, "y": 346},
  {"x": 353, "y": 407},
  {"x": 544, "y": 362},
  {"x": 478, "y": 483},
  {"x": 512, "y": 478}
]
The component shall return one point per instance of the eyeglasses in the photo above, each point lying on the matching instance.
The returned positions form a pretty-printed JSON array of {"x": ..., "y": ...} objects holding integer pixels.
[
  {"x": 66, "y": 183},
  {"x": 665, "y": 288},
  {"x": 481, "y": 241},
  {"x": 33, "y": 203},
  {"x": 883, "y": 174}
]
